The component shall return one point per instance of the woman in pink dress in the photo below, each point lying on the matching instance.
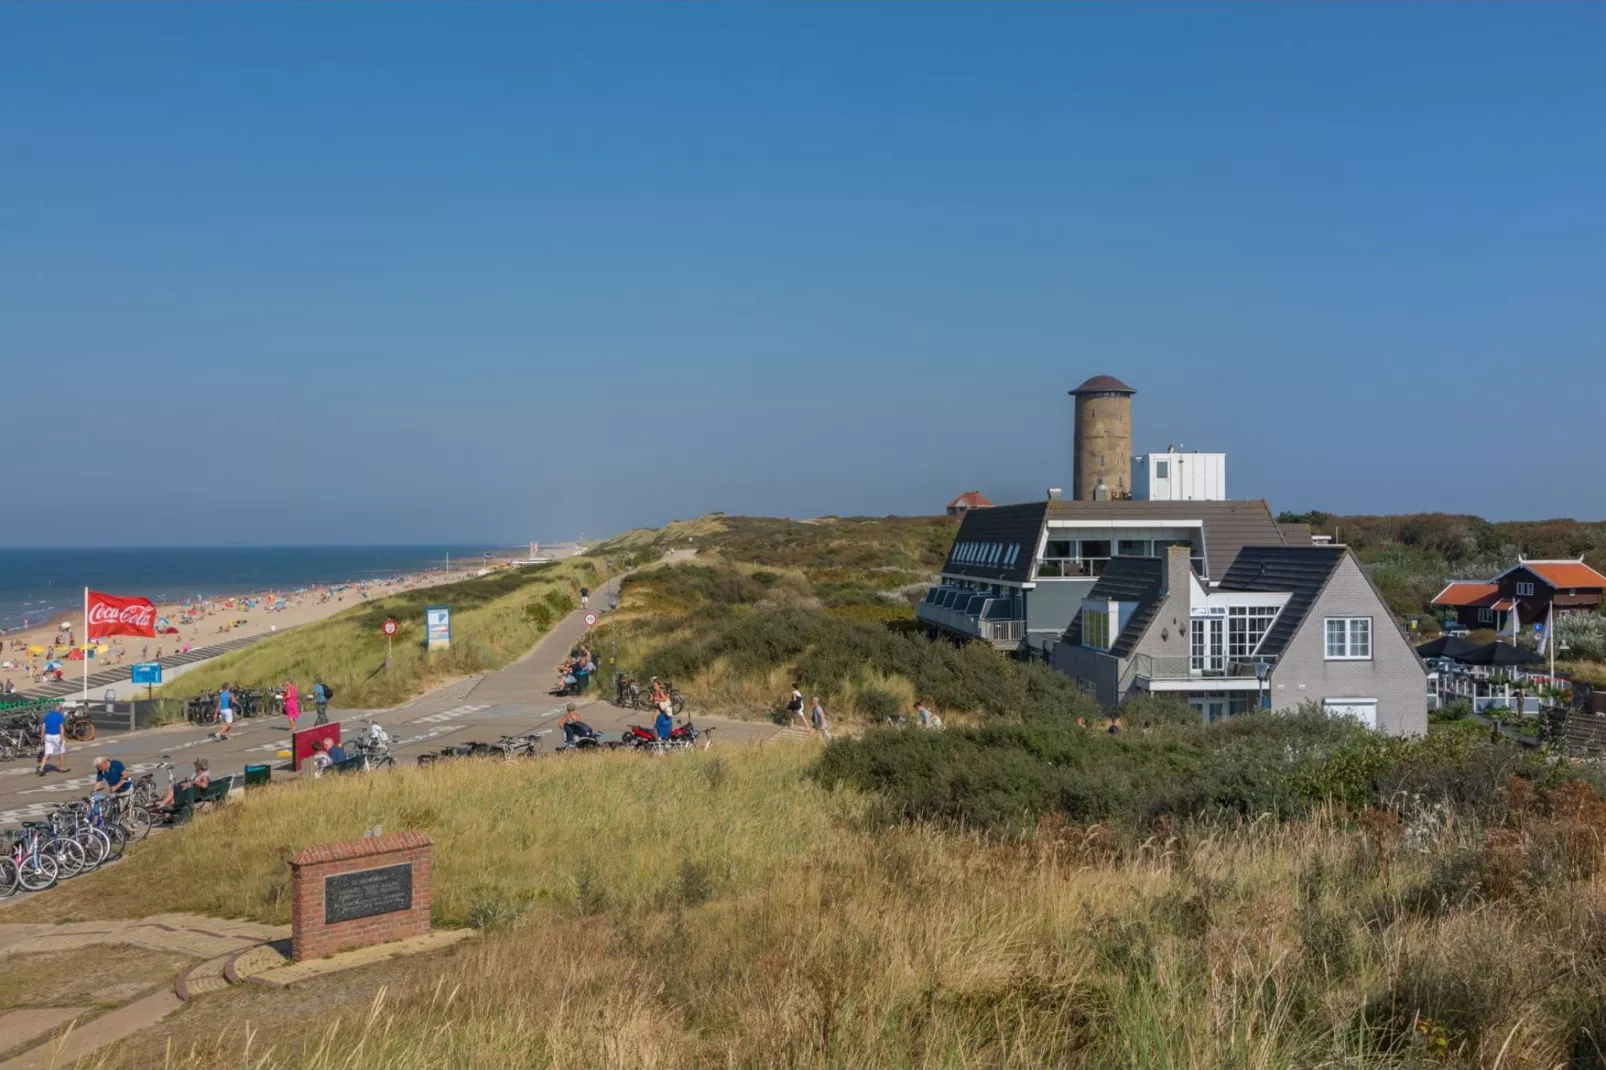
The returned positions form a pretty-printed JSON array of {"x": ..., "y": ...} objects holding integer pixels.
[{"x": 292, "y": 703}]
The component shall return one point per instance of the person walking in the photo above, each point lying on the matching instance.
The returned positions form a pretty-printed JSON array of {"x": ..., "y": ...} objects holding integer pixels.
[
  {"x": 292, "y": 703},
  {"x": 55, "y": 727},
  {"x": 794, "y": 704},
  {"x": 321, "y": 694},
  {"x": 225, "y": 712},
  {"x": 817, "y": 720}
]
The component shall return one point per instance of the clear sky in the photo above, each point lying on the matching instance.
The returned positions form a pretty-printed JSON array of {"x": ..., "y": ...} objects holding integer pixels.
[{"x": 407, "y": 273}]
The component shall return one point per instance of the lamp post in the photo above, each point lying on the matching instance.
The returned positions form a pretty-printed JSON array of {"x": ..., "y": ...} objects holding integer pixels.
[
  {"x": 1262, "y": 672},
  {"x": 613, "y": 627}
]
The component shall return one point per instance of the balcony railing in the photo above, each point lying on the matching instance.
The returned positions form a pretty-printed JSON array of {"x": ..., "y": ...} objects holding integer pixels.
[
  {"x": 1182, "y": 667},
  {"x": 995, "y": 631},
  {"x": 1003, "y": 631}
]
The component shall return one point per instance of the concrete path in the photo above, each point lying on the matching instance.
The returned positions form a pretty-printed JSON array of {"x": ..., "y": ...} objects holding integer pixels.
[{"x": 509, "y": 701}]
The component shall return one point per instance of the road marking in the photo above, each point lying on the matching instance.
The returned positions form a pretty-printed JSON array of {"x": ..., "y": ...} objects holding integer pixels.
[
  {"x": 449, "y": 715},
  {"x": 81, "y": 783}
]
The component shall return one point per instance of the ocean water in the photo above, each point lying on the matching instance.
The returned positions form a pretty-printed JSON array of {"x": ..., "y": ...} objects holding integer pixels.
[{"x": 42, "y": 585}]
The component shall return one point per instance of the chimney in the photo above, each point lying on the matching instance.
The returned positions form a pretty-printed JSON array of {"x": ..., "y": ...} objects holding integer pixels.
[
  {"x": 1178, "y": 567},
  {"x": 1101, "y": 493},
  {"x": 1053, "y": 494}
]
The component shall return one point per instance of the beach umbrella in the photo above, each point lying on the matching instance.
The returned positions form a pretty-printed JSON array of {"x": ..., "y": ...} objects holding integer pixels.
[
  {"x": 1498, "y": 653},
  {"x": 1446, "y": 646}
]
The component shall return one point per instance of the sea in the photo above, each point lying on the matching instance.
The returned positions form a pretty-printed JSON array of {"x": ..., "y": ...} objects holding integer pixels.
[{"x": 38, "y": 585}]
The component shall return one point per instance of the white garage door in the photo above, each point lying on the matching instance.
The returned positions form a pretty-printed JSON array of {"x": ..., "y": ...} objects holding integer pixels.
[{"x": 1363, "y": 710}]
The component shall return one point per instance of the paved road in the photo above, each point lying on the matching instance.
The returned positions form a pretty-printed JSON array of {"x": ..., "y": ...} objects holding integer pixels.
[{"x": 510, "y": 700}]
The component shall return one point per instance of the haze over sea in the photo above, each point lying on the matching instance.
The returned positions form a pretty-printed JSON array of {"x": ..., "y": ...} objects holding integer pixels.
[{"x": 40, "y": 584}]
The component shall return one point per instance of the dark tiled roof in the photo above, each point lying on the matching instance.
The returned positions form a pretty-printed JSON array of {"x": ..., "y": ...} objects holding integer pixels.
[
  {"x": 1229, "y": 526},
  {"x": 1008, "y": 525},
  {"x": 1302, "y": 571},
  {"x": 1103, "y": 384},
  {"x": 1126, "y": 579}
]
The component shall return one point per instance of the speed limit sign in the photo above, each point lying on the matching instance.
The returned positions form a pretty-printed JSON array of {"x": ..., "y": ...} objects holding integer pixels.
[
  {"x": 591, "y": 620},
  {"x": 389, "y": 627}
]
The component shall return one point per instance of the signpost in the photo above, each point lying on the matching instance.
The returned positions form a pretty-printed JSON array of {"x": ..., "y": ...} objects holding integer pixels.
[
  {"x": 438, "y": 627},
  {"x": 591, "y": 620},
  {"x": 390, "y": 628},
  {"x": 148, "y": 673}
]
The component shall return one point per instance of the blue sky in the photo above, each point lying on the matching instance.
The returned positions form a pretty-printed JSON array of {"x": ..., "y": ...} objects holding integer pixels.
[{"x": 398, "y": 273}]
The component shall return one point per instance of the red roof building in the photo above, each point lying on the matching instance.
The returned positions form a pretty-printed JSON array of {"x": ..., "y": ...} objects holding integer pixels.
[
  {"x": 1532, "y": 590},
  {"x": 971, "y": 499}
]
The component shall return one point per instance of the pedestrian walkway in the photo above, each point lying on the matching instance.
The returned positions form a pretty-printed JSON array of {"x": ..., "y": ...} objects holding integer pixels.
[
  {"x": 70, "y": 685},
  {"x": 530, "y": 679}
]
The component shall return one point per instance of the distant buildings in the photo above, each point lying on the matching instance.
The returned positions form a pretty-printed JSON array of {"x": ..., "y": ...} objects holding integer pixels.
[
  {"x": 1152, "y": 581},
  {"x": 1524, "y": 594},
  {"x": 971, "y": 499}
]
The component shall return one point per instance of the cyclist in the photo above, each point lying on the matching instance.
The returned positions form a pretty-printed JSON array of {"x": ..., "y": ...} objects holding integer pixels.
[
  {"x": 112, "y": 777},
  {"x": 585, "y": 598},
  {"x": 573, "y": 727},
  {"x": 55, "y": 727}
]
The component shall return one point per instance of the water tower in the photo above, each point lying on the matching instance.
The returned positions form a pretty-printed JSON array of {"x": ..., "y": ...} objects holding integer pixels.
[{"x": 1103, "y": 457}]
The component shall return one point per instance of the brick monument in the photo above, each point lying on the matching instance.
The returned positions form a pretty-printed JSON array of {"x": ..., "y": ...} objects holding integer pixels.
[{"x": 361, "y": 892}]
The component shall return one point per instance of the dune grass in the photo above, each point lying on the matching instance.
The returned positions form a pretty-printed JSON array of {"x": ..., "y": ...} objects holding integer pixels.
[
  {"x": 495, "y": 620},
  {"x": 725, "y": 909}
]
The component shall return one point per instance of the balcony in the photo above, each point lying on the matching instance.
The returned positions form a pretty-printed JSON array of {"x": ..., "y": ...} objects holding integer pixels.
[
  {"x": 1179, "y": 672},
  {"x": 967, "y": 613}
]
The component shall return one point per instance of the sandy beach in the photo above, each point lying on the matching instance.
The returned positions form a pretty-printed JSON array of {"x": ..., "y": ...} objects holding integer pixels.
[{"x": 211, "y": 621}]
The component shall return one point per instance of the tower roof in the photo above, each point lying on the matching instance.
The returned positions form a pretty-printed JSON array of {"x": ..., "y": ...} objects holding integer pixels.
[{"x": 1103, "y": 384}]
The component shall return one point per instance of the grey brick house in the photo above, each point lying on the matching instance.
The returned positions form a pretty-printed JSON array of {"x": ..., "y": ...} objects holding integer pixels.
[{"x": 1284, "y": 625}]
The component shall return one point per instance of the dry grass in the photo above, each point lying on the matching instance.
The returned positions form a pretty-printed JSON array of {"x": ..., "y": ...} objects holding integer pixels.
[{"x": 722, "y": 909}]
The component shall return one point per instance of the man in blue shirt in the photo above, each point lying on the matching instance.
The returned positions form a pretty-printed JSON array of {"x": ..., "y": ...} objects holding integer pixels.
[
  {"x": 111, "y": 773},
  {"x": 55, "y": 725}
]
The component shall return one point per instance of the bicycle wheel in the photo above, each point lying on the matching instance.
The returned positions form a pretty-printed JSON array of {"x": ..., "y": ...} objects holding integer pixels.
[
  {"x": 96, "y": 844},
  {"x": 69, "y": 856},
  {"x": 8, "y": 876},
  {"x": 38, "y": 873},
  {"x": 82, "y": 731},
  {"x": 137, "y": 822},
  {"x": 117, "y": 837}
]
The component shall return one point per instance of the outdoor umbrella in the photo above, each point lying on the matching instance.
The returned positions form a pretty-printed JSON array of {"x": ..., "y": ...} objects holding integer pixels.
[
  {"x": 1446, "y": 646},
  {"x": 1498, "y": 653}
]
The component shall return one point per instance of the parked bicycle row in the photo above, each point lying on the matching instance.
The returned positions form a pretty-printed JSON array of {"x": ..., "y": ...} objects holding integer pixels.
[
  {"x": 23, "y": 734},
  {"x": 79, "y": 837}
]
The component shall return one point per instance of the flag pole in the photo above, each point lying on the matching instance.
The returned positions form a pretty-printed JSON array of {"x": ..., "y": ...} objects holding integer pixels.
[{"x": 85, "y": 653}]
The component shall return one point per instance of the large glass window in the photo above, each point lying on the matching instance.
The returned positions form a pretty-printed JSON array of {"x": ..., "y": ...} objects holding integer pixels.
[
  {"x": 1060, "y": 549},
  {"x": 1095, "y": 629},
  {"x": 1349, "y": 638},
  {"x": 1246, "y": 627}
]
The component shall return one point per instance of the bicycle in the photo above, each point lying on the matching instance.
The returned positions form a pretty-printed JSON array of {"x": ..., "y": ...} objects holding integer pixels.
[
  {"x": 36, "y": 870},
  {"x": 79, "y": 728}
]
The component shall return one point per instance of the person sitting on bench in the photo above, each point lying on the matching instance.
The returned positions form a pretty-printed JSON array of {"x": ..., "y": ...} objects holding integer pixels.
[{"x": 200, "y": 781}]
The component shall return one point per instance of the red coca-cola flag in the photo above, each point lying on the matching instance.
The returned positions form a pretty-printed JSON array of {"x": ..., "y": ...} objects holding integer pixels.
[{"x": 110, "y": 615}]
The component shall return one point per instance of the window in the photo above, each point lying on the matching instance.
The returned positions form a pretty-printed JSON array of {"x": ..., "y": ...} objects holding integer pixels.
[
  {"x": 1246, "y": 627},
  {"x": 1095, "y": 629},
  {"x": 1133, "y": 547},
  {"x": 1525, "y": 590},
  {"x": 1162, "y": 469},
  {"x": 1485, "y": 616},
  {"x": 1196, "y": 645},
  {"x": 1060, "y": 549},
  {"x": 1349, "y": 638},
  {"x": 1014, "y": 554}
]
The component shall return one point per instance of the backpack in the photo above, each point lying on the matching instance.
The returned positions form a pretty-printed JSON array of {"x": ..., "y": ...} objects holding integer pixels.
[{"x": 328, "y": 693}]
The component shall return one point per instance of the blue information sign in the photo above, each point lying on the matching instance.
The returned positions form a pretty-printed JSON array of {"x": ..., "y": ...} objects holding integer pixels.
[
  {"x": 438, "y": 627},
  {"x": 146, "y": 673}
]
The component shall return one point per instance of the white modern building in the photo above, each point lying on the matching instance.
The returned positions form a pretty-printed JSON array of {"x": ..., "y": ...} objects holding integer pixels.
[{"x": 1174, "y": 476}]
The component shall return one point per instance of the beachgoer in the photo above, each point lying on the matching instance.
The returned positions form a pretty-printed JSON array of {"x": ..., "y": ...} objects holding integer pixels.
[
  {"x": 112, "y": 776},
  {"x": 202, "y": 779},
  {"x": 320, "y": 758},
  {"x": 55, "y": 725},
  {"x": 664, "y": 723},
  {"x": 794, "y": 704},
  {"x": 1115, "y": 726},
  {"x": 817, "y": 719},
  {"x": 585, "y": 598},
  {"x": 320, "y": 696},
  {"x": 225, "y": 712},
  {"x": 922, "y": 715},
  {"x": 337, "y": 753},
  {"x": 292, "y": 703}
]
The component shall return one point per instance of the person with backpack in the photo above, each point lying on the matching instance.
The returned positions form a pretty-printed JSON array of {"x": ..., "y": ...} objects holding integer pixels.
[
  {"x": 321, "y": 694},
  {"x": 585, "y": 598}
]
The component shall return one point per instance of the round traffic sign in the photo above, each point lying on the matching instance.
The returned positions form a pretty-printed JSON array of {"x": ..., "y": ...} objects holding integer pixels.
[
  {"x": 389, "y": 627},
  {"x": 591, "y": 620}
]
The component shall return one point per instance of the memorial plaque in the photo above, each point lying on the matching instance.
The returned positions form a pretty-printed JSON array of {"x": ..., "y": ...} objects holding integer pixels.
[{"x": 367, "y": 892}]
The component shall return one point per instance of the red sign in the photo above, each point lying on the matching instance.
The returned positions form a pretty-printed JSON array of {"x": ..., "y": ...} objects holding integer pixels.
[
  {"x": 110, "y": 615},
  {"x": 591, "y": 620},
  {"x": 389, "y": 627}
]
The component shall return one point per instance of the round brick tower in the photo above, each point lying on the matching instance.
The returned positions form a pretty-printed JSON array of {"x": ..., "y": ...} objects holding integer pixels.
[{"x": 1103, "y": 439}]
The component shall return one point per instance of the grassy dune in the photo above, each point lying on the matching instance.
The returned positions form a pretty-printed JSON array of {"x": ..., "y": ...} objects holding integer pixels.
[
  {"x": 495, "y": 620},
  {"x": 726, "y": 909}
]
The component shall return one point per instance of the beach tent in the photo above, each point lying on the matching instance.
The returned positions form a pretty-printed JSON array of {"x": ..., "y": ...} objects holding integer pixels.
[{"x": 1446, "y": 646}]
